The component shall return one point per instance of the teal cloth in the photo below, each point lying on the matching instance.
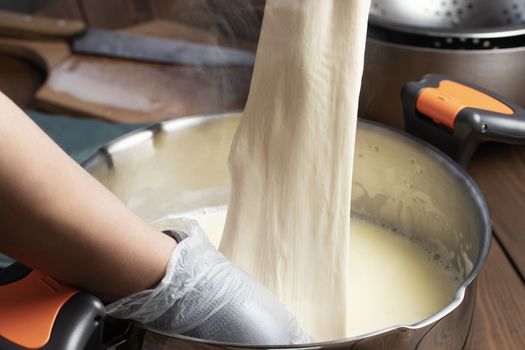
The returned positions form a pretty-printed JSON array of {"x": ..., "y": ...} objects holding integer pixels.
[{"x": 78, "y": 137}]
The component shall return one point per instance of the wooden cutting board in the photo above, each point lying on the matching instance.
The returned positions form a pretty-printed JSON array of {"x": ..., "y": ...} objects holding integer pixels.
[{"x": 133, "y": 92}]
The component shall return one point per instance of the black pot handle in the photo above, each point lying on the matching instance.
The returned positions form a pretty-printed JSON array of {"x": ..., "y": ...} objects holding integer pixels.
[{"x": 456, "y": 116}]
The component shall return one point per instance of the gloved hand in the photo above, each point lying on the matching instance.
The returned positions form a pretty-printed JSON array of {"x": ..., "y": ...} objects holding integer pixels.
[{"x": 204, "y": 295}]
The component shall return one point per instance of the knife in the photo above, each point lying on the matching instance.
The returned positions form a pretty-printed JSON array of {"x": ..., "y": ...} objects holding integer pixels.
[
  {"x": 142, "y": 48},
  {"x": 122, "y": 45}
]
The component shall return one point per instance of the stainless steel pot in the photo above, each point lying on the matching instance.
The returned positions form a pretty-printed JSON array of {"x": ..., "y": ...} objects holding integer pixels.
[
  {"x": 389, "y": 65},
  {"x": 480, "y": 41},
  {"x": 398, "y": 180}
]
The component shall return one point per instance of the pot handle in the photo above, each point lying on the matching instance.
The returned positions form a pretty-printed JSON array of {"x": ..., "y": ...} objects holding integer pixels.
[
  {"x": 456, "y": 116},
  {"x": 38, "y": 312}
]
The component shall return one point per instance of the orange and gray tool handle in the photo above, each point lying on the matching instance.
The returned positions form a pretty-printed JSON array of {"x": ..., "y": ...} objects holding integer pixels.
[
  {"x": 37, "y": 312},
  {"x": 456, "y": 116}
]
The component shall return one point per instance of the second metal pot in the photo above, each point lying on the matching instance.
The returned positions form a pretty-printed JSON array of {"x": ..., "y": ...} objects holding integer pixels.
[
  {"x": 479, "y": 41},
  {"x": 388, "y": 66}
]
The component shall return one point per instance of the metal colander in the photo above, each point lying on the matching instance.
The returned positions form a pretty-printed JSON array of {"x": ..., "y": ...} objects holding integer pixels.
[
  {"x": 464, "y": 14},
  {"x": 451, "y": 24}
]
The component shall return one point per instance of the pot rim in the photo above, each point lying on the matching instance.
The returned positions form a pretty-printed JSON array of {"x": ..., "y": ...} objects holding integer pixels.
[
  {"x": 138, "y": 136},
  {"x": 485, "y": 40}
]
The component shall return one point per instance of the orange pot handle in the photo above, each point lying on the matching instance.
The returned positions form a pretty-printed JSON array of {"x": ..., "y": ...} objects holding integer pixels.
[
  {"x": 38, "y": 312},
  {"x": 456, "y": 116}
]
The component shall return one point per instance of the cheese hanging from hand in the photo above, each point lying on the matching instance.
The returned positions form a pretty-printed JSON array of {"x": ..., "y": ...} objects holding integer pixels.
[{"x": 288, "y": 222}]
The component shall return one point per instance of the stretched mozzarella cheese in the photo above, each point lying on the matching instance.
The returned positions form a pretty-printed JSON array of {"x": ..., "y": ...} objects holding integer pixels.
[{"x": 291, "y": 159}]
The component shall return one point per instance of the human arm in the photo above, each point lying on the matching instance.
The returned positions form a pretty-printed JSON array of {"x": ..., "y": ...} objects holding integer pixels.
[{"x": 56, "y": 218}]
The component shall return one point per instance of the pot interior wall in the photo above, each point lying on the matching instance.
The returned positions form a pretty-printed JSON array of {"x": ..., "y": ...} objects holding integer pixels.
[{"x": 181, "y": 165}]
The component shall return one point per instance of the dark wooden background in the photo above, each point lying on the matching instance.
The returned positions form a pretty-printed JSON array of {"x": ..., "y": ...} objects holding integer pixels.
[{"x": 239, "y": 18}]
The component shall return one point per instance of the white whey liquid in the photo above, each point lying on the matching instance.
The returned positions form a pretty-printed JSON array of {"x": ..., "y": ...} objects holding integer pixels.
[
  {"x": 291, "y": 159},
  {"x": 393, "y": 281}
]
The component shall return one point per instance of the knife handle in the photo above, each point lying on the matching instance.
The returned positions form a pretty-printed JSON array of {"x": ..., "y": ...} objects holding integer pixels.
[{"x": 19, "y": 25}]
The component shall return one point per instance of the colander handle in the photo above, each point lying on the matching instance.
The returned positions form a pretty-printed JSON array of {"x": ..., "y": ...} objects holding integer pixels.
[{"x": 456, "y": 116}]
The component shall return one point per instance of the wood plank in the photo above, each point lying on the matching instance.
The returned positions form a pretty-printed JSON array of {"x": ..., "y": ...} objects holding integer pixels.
[
  {"x": 499, "y": 171},
  {"x": 20, "y": 25},
  {"x": 60, "y": 9},
  {"x": 499, "y": 314},
  {"x": 116, "y": 14},
  {"x": 136, "y": 92},
  {"x": 19, "y": 80},
  {"x": 45, "y": 54},
  {"x": 127, "y": 91}
]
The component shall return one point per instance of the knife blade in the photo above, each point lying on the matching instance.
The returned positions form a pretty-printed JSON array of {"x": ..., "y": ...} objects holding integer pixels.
[{"x": 141, "y": 48}]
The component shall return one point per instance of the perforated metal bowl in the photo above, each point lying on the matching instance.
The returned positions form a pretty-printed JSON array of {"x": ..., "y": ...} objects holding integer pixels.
[
  {"x": 451, "y": 24},
  {"x": 457, "y": 14}
]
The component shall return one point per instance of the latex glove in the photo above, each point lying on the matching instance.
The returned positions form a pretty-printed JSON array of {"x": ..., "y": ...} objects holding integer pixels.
[{"x": 204, "y": 295}]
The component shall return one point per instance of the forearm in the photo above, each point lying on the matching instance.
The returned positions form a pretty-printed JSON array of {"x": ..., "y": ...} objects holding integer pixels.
[{"x": 56, "y": 218}]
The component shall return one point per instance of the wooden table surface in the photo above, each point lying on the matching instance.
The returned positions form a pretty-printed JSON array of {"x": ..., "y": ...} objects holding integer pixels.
[
  {"x": 499, "y": 318},
  {"x": 499, "y": 170}
]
